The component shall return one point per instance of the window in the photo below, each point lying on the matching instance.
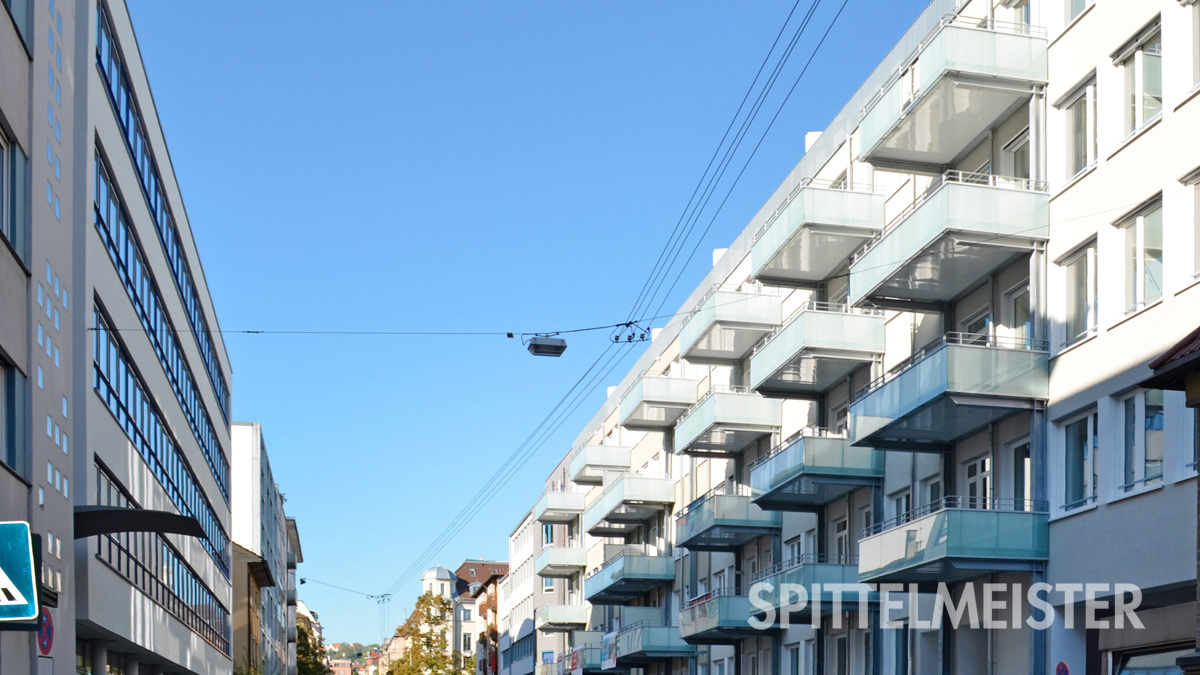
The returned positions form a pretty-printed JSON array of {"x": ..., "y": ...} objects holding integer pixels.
[
  {"x": 1076, "y": 7},
  {"x": 471, "y": 571},
  {"x": 841, "y": 655},
  {"x": 1022, "y": 13},
  {"x": 547, "y": 534},
  {"x": 902, "y": 650},
  {"x": 1081, "y": 295},
  {"x": 794, "y": 661},
  {"x": 933, "y": 490},
  {"x": 902, "y": 505},
  {"x": 1016, "y": 153},
  {"x": 1160, "y": 660},
  {"x": 1142, "y": 63},
  {"x": 1080, "y": 111},
  {"x": 13, "y": 203},
  {"x": 1195, "y": 438},
  {"x": 978, "y": 482},
  {"x": 1081, "y": 446},
  {"x": 547, "y": 585},
  {"x": 12, "y": 418},
  {"x": 841, "y": 539},
  {"x": 1142, "y": 438},
  {"x": 1022, "y": 472},
  {"x": 466, "y": 614},
  {"x": 466, "y": 642},
  {"x": 1143, "y": 256}
]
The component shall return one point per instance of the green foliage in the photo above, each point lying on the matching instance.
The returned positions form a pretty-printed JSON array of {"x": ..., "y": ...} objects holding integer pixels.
[
  {"x": 428, "y": 651},
  {"x": 310, "y": 656}
]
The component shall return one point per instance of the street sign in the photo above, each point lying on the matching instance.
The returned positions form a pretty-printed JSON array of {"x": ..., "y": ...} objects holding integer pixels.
[
  {"x": 45, "y": 634},
  {"x": 1062, "y": 669},
  {"x": 18, "y": 573}
]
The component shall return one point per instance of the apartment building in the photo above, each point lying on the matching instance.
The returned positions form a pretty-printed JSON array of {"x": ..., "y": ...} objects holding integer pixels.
[
  {"x": 918, "y": 364},
  {"x": 108, "y": 344},
  {"x": 266, "y": 553},
  {"x": 486, "y": 591}
]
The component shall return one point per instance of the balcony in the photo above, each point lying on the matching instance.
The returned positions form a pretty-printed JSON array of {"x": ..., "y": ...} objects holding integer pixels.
[
  {"x": 558, "y": 506},
  {"x": 727, "y": 325},
  {"x": 813, "y": 233},
  {"x": 291, "y": 560},
  {"x": 718, "y": 618},
  {"x": 955, "y": 539},
  {"x": 966, "y": 79},
  {"x": 826, "y": 580},
  {"x": 628, "y": 572},
  {"x": 646, "y": 643},
  {"x": 591, "y": 462},
  {"x": 725, "y": 422},
  {"x": 560, "y": 561},
  {"x": 811, "y": 470},
  {"x": 654, "y": 403},
  {"x": 587, "y": 657},
  {"x": 629, "y": 500},
  {"x": 560, "y": 618},
  {"x": 963, "y": 228},
  {"x": 818, "y": 346},
  {"x": 724, "y": 520},
  {"x": 949, "y": 391},
  {"x": 291, "y": 596}
]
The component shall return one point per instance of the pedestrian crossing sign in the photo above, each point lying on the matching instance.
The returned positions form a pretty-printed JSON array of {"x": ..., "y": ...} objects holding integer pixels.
[{"x": 18, "y": 573}]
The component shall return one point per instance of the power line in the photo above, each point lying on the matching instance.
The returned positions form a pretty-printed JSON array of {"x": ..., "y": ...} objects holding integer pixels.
[
  {"x": 745, "y": 97},
  {"x": 753, "y": 152},
  {"x": 723, "y": 165}
]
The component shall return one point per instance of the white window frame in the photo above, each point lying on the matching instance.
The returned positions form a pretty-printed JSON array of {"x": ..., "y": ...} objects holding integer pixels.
[
  {"x": 1089, "y": 462},
  {"x": 899, "y": 507},
  {"x": 1086, "y": 253},
  {"x": 1133, "y": 458},
  {"x": 1087, "y": 93},
  {"x": 1009, "y": 157},
  {"x": 1008, "y": 313},
  {"x": 1071, "y": 15},
  {"x": 1136, "y": 298},
  {"x": 841, "y": 539},
  {"x": 1132, "y": 59}
]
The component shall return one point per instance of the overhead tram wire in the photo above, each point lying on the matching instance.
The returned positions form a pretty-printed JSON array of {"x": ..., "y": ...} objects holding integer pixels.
[
  {"x": 692, "y": 211},
  {"x": 716, "y": 151},
  {"x": 501, "y": 475},
  {"x": 753, "y": 152},
  {"x": 731, "y": 151},
  {"x": 486, "y": 494},
  {"x": 457, "y": 528}
]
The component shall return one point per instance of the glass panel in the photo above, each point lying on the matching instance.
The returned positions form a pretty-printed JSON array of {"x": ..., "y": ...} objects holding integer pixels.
[
  {"x": 1131, "y": 95},
  {"x": 1159, "y": 663},
  {"x": 1076, "y": 455},
  {"x": 1021, "y": 161},
  {"x": 1075, "y": 8},
  {"x": 1154, "y": 435},
  {"x": 1152, "y": 97},
  {"x": 1153, "y": 245},
  {"x": 1130, "y": 440},
  {"x": 1077, "y": 136},
  {"x": 1077, "y": 300},
  {"x": 1132, "y": 291}
]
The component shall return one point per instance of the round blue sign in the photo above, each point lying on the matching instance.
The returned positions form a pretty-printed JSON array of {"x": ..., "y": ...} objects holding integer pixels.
[
  {"x": 45, "y": 634},
  {"x": 1062, "y": 669}
]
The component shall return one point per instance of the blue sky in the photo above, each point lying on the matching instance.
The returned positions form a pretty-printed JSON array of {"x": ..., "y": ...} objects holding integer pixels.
[{"x": 453, "y": 166}]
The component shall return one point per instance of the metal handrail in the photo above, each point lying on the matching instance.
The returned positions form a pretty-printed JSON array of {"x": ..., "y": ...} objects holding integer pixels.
[
  {"x": 805, "y": 559},
  {"x": 958, "y": 21},
  {"x": 806, "y": 432},
  {"x": 724, "y": 489},
  {"x": 719, "y": 592},
  {"x": 806, "y": 183},
  {"x": 740, "y": 389},
  {"x": 815, "y": 306},
  {"x": 959, "y": 502},
  {"x": 956, "y": 339},
  {"x": 626, "y": 549}
]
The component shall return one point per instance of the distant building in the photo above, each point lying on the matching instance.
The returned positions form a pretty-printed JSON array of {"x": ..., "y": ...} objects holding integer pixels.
[
  {"x": 342, "y": 667},
  {"x": 486, "y": 592}
]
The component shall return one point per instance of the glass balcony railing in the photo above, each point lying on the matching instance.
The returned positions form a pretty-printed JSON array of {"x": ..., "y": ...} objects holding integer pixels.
[
  {"x": 587, "y": 657},
  {"x": 656, "y": 402},
  {"x": 724, "y": 520},
  {"x": 963, "y": 228},
  {"x": 819, "y": 345},
  {"x": 646, "y": 643},
  {"x": 949, "y": 391},
  {"x": 954, "y": 539},
  {"x": 560, "y": 618},
  {"x": 560, "y": 561},
  {"x": 631, "y": 572},
  {"x": 813, "y": 233},
  {"x": 812, "y": 469},
  {"x": 829, "y": 582},
  {"x": 727, "y": 324},
  {"x": 726, "y": 421},
  {"x": 559, "y": 506},
  {"x": 968, "y": 76},
  {"x": 628, "y": 500},
  {"x": 719, "y": 617},
  {"x": 591, "y": 462}
]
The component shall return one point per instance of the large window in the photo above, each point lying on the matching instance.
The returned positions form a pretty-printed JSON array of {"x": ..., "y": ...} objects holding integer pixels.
[
  {"x": 1076, "y": 7},
  {"x": 12, "y": 420},
  {"x": 1142, "y": 64},
  {"x": 1081, "y": 446},
  {"x": 1143, "y": 256},
  {"x": 1081, "y": 292},
  {"x": 1142, "y": 438},
  {"x": 1080, "y": 110},
  {"x": 14, "y": 220}
]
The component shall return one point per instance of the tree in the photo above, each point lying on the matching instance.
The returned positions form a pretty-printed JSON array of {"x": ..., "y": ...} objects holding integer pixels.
[
  {"x": 428, "y": 651},
  {"x": 310, "y": 656}
]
